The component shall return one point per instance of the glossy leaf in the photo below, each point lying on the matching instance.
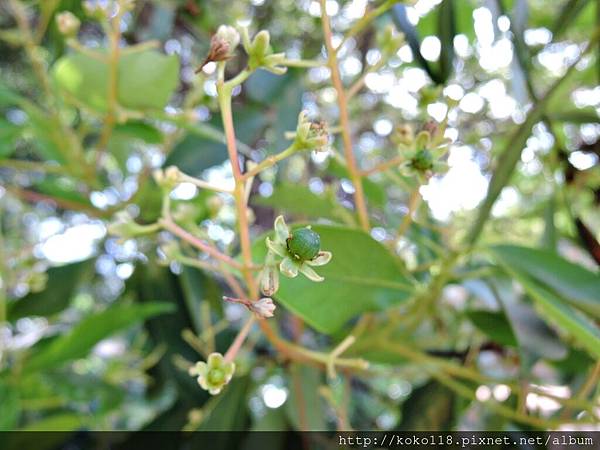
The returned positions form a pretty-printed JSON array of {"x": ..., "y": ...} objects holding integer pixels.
[
  {"x": 60, "y": 287},
  {"x": 535, "y": 338},
  {"x": 145, "y": 79},
  {"x": 583, "y": 331},
  {"x": 362, "y": 276},
  {"x": 493, "y": 324},
  {"x": 89, "y": 331},
  {"x": 299, "y": 200},
  {"x": 577, "y": 285}
]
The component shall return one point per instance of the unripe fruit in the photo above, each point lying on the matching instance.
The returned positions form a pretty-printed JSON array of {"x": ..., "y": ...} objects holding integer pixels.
[
  {"x": 423, "y": 160},
  {"x": 304, "y": 244},
  {"x": 216, "y": 376}
]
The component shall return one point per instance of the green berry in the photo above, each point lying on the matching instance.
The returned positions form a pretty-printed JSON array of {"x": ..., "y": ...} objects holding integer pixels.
[
  {"x": 423, "y": 160},
  {"x": 304, "y": 244},
  {"x": 216, "y": 376}
]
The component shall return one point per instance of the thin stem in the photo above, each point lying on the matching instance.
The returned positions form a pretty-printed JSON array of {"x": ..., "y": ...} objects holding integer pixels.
[
  {"x": 413, "y": 202},
  {"x": 358, "y": 84},
  {"x": 306, "y": 63},
  {"x": 224, "y": 92},
  {"x": 298, "y": 353},
  {"x": 394, "y": 162},
  {"x": 110, "y": 120},
  {"x": 269, "y": 161},
  {"x": 172, "y": 227},
  {"x": 239, "y": 339},
  {"x": 361, "y": 24},
  {"x": 202, "y": 184},
  {"x": 359, "y": 196}
]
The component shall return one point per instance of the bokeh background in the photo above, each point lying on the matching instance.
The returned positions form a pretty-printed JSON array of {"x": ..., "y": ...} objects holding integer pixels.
[{"x": 60, "y": 268}]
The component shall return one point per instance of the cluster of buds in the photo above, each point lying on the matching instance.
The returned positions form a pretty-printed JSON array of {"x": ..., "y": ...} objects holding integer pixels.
[
  {"x": 291, "y": 252},
  {"x": 124, "y": 226},
  {"x": 214, "y": 374},
  {"x": 68, "y": 24},
  {"x": 389, "y": 41},
  {"x": 310, "y": 135},
  {"x": 260, "y": 53}
]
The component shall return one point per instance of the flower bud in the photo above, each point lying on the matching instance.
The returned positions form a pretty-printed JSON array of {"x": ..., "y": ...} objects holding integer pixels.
[
  {"x": 269, "y": 280},
  {"x": 403, "y": 135},
  {"x": 124, "y": 226},
  {"x": 263, "y": 308},
  {"x": 167, "y": 178},
  {"x": 390, "y": 41},
  {"x": 222, "y": 45},
  {"x": 96, "y": 9},
  {"x": 68, "y": 24},
  {"x": 229, "y": 35},
  {"x": 260, "y": 45},
  {"x": 311, "y": 135}
]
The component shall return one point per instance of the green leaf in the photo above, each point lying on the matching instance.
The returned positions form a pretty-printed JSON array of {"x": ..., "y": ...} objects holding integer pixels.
[
  {"x": 428, "y": 408},
  {"x": 57, "y": 422},
  {"x": 145, "y": 79},
  {"x": 493, "y": 324},
  {"x": 567, "y": 318},
  {"x": 80, "y": 340},
  {"x": 61, "y": 285},
  {"x": 578, "y": 286},
  {"x": 140, "y": 130},
  {"x": 534, "y": 336},
  {"x": 298, "y": 199},
  {"x": 9, "y": 132},
  {"x": 362, "y": 276},
  {"x": 375, "y": 193},
  {"x": 231, "y": 410},
  {"x": 305, "y": 405},
  {"x": 10, "y": 407},
  {"x": 446, "y": 33}
]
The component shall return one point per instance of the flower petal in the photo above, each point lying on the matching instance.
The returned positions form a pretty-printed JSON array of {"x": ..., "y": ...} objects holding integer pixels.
[
  {"x": 310, "y": 273},
  {"x": 228, "y": 370},
  {"x": 320, "y": 260},
  {"x": 214, "y": 360},
  {"x": 215, "y": 391},
  {"x": 202, "y": 381},
  {"x": 198, "y": 369},
  {"x": 288, "y": 267},
  {"x": 282, "y": 232},
  {"x": 276, "y": 247}
]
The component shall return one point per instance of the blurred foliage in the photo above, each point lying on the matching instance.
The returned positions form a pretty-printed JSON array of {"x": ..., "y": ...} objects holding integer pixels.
[{"x": 489, "y": 303}]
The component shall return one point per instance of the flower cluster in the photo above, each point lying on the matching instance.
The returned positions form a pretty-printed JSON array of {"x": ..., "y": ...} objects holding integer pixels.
[
  {"x": 291, "y": 252},
  {"x": 214, "y": 374},
  {"x": 310, "y": 135},
  {"x": 422, "y": 153}
]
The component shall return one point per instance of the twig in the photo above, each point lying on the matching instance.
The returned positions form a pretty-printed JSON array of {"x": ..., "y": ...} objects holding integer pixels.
[
  {"x": 359, "y": 196},
  {"x": 172, "y": 227}
]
